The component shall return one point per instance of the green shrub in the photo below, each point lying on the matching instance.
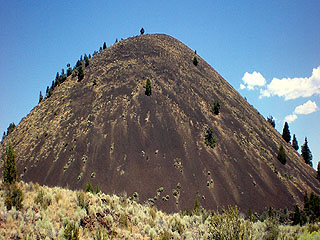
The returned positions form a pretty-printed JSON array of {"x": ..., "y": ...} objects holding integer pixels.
[
  {"x": 195, "y": 61},
  {"x": 71, "y": 231},
  {"x": 42, "y": 199},
  {"x": 196, "y": 206},
  {"x": 9, "y": 168},
  {"x": 82, "y": 200},
  {"x": 89, "y": 187},
  {"x": 80, "y": 73},
  {"x": 14, "y": 197},
  {"x": 216, "y": 107},
  {"x": 210, "y": 140},
  {"x": 229, "y": 225},
  {"x": 148, "y": 87},
  {"x": 282, "y": 155}
]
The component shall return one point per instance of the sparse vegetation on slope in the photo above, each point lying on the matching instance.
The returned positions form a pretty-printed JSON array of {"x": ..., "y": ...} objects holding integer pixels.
[{"x": 80, "y": 215}]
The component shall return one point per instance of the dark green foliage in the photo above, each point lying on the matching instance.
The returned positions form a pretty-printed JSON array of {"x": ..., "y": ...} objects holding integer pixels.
[
  {"x": 196, "y": 206},
  {"x": 43, "y": 200},
  {"x": 71, "y": 231},
  {"x": 306, "y": 153},
  {"x": 271, "y": 212},
  {"x": 11, "y": 127},
  {"x": 40, "y": 97},
  {"x": 14, "y": 197},
  {"x": 297, "y": 216},
  {"x": 82, "y": 200},
  {"x": 286, "y": 133},
  {"x": 98, "y": 189},
  {"x": 9, "y": 168},
  {"x": 78, "y": 64},
  {"x": 210, "y": 140},
  {"x": 86, "y": 60},
  {"x": 271, "y": 120},
  {"x": 250, "y": 215},
  {"x": 89, "y": 187},
  {"x": 148, "y": 87},
  {"x": 216, "y": 107},
  {"x": 318, "y": 171},
  {"x": 282, "y": 155},
  {"x": 104, "y": 45},
  {"x": 295, "y": 143},
  {"x": 69, "y": 71},
  {"x": 141, "y": 31},
  {"x": 80, "y": 73},
  {"x": 63, "y": 76},
  {"x": 195, "y": 61},
  {"x": 312, "y": 207},
  {"x": 89, "y": 56}
]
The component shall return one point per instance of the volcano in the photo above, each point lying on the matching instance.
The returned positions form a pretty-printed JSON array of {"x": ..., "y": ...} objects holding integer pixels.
[{"x": 106, "y": 130}]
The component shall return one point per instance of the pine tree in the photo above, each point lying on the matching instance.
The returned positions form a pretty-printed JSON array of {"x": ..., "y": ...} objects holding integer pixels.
[
  {"x": 306, "y": 153},
  {"x": 271, "y": 120},
  {"x": 282, "y": 155},
  {"x": 195, "y": 61},
  {"x": 104, "y": 45},
  {"x": 69, "y": 71},
  {"x": 141, "y": 31},
  {"x": 148, "y": 87},
  {"x": 295, "y": 143},
  {"x": 80, "y": 74},
  {"x": 10, "y": 168},
  {"x": 216, "y": 107},
  {"x": 86, "y": 61},
  {"x": 210, "y": 140},
  {"x": 318, "y": 171},
  {"x": 98, "y": 189},
  {"x": 89, "y": 187},
  {"x": 286, "y": 133},
  {"x": 11, "y": 127},
  {"x": 40, "y": 97}
]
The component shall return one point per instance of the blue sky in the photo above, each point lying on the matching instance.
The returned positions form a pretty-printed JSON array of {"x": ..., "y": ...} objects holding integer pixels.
[{"x": 277, "y": 43}]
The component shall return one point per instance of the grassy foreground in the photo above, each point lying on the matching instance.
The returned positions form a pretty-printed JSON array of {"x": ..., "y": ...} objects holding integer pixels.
[{"x": 57, "y": 213}]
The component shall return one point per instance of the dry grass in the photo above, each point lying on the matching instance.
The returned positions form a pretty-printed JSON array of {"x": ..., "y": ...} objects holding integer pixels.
[{"x": 52, "y": 213}]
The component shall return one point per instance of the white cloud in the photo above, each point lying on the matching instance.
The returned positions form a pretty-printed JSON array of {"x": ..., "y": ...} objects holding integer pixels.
[
  {"x": 252, "y": 79},
  {"x": 292, "y": 88},
  {"x": 290, "y": 118},
  {"x": 306, "y": 108}
]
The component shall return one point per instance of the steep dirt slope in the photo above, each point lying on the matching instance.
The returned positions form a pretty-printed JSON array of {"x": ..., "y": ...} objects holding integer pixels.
[{"x": 104, "y": 129}]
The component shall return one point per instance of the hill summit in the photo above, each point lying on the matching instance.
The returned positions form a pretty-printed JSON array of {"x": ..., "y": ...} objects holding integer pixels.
[{"x": 192, "y": 137}]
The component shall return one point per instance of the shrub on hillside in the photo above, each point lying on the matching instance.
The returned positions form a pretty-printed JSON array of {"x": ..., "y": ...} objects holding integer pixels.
[
  {"x": 195, "y": 61},
  {"x": 216, "y": 107},
  {"x": 14, "y": 197},
  {"x": 89, "y": 187},
  {"x": 282, "y": 155},
  {"x": 148, "y": 87},
  {"x": 71, "y": 231},
  {"x": 210, "y": 140},
  {"x": 9, "y": 168}
]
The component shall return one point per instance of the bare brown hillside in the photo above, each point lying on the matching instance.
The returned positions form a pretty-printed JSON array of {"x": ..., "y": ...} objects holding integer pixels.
[{"x": 104, "y": 129}]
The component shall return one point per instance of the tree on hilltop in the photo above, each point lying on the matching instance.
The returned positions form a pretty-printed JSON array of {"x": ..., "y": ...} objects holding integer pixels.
[
  {"x": 40, "y": 97},
  {"x": 271, "y": 120},
  {"x": 286, "y": 133},
  {"x": 104, "y": 45},
  {"x": 141, "y": 31}
]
